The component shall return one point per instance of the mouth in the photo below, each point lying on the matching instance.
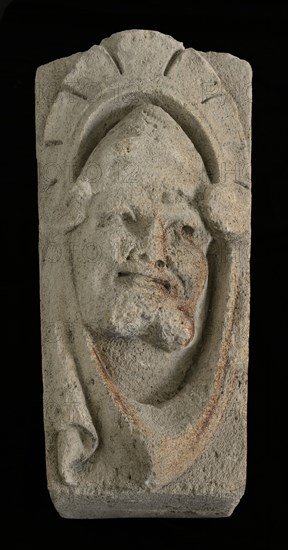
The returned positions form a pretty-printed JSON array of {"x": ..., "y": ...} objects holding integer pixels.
[{"x": 164, "y": 283}]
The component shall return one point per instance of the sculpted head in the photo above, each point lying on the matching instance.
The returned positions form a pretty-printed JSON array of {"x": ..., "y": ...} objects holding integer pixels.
[{"x": 149, "y": 273}]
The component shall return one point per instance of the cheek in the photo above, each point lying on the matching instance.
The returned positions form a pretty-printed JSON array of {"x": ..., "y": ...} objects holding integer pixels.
[
  {"x": 99, "y": 254},
  {"x": 196, "y": 270},
  {"x": 188, "y": 257},
  {"x": 192, "y": 265},
  {"x": 196, "y": 262},
  {"x": 120, "y": 245},
  {"x": 112, "y": 246}
]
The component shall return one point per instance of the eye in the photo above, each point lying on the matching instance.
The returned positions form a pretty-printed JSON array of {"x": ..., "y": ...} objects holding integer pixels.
[
  {"x": 188, "y": 231},
  {"x": 106, "y": 219},
  {"x": 128, "y": 217}
]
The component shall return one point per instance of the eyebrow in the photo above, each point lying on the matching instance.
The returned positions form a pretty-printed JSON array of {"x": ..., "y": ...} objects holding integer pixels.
[{"x": 189, "y": 215}]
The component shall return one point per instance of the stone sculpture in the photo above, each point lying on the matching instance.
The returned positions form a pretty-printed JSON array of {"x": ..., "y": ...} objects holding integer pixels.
[{"x": 143, "y": 149}]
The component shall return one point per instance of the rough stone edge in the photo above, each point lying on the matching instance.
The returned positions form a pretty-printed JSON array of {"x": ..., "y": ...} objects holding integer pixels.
[
  {"x": 235, "y": 85},
  {"x": 48, "y": 81}
]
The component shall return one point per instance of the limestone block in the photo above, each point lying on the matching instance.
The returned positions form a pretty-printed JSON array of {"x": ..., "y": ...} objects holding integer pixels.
[{"x": 143, "y": 150}]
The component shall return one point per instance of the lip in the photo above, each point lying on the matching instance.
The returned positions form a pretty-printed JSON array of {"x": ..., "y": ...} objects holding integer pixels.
[{"x": 164, "y": 282}]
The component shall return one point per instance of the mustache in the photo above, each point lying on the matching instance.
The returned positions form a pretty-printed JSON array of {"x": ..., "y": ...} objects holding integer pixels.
[{"x": 169, "y": 280}]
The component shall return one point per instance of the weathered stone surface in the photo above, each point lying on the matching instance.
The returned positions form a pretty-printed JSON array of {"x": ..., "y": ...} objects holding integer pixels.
[{"x": 143, "y": 149}]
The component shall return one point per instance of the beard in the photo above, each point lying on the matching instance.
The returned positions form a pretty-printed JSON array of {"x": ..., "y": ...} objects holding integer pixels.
[{"x": 150, "y": 316}]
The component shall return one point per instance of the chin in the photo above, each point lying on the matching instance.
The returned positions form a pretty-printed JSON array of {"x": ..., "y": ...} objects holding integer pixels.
[
  {"x": 172, "y": 331},
  {"x": 166, "y": 327}
]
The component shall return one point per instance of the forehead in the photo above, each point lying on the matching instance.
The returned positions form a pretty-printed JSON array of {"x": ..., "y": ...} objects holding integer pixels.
[
  {"x": 145, "y": 194},
  {"x": 165, "y": 177}
]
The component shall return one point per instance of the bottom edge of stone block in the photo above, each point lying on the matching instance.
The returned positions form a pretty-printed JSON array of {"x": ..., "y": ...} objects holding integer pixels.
[{"x": 150, "y": 506}]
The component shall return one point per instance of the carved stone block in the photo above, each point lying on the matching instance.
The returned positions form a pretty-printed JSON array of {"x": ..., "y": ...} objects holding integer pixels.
[{"x": 143, "y": 150}]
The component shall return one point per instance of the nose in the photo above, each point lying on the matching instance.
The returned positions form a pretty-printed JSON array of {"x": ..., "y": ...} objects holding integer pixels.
[{"x": 155, "y": 244}]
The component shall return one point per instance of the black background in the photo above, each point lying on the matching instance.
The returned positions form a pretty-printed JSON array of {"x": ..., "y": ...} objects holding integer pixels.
[{"x": 34, "y": 33}]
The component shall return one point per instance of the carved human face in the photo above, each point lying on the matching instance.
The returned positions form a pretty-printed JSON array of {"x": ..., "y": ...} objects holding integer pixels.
[{"x": 143, "y": 266}]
